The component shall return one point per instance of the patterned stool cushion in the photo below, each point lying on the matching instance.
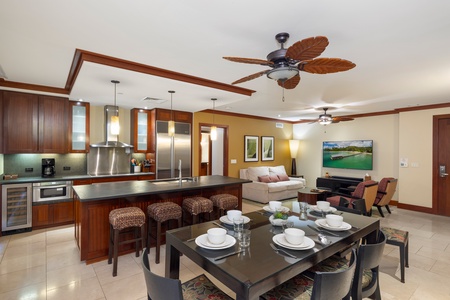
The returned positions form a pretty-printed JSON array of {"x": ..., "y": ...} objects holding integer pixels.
[
  {"x": 224, "y": 201},
  {"x": 332, "y": 264},
  {"x": 121, "y": 218},
  {"x": 395, "y": 235},
  {"x": 197, "y": 205},
  {"x": 298, "y": 288},
  {"x": 200, "y": 288},
  {"x": 164, "y": 211}
]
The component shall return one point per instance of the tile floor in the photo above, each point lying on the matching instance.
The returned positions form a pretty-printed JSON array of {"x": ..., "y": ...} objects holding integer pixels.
[{"x": 44, "y": 264}]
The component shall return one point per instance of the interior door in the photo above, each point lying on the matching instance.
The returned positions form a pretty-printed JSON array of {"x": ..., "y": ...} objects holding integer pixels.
[{"x": 441, "y": 165}]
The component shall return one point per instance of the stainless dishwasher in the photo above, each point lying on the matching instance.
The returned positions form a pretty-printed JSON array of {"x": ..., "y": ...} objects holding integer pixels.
[{"x": 16, "y": 207}]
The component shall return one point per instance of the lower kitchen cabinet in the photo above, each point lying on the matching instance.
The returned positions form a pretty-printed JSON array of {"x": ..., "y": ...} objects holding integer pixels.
[{"x": 54, "y": 214}]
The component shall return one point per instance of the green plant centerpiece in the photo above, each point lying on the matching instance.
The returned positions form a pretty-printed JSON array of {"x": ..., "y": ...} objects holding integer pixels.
[{"x": 279, "y": 218}]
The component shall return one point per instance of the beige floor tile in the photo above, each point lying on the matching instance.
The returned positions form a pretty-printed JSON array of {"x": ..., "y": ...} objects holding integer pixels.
[
  {"x": 69, "y": 274},
  {"x": 14, "y": 264},
  {"x": 126, "y": 267},
  {"x": 62, "y": 260},
  {"x": 130, "y": 287},
  {"x": 32, "y": 292},
  {"x": 65, "y": 247},
  {"x": 26, "y": 239},
  {"x": 20, "y": 279},
  {"x": 24, "y": 250},
  {"x": 86, "y": 289}
]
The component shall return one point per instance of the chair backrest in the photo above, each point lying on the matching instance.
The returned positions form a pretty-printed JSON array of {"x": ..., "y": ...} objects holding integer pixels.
[
  {"x": 369, "y": 258},
  {"x": 159, "y": 287},
  {"x": 334, "y": 285},
  {"x": 386, "y": 190},
  {"x": 370, "y": 193},
  {"x": 360, "y": 206}
]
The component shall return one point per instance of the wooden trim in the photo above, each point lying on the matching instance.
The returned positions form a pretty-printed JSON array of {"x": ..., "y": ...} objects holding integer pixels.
[
  {"x": 83, "y": 55},
  {"x": 33, "y": 87},
  {"x": 226, "y": 138},
  {"x": 427, "y": 210},
  {"x": 225, "y": 113},
  {"x": 435, "y": 161}
]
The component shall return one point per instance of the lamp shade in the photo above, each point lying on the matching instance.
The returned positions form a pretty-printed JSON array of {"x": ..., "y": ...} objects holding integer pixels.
[
  {"x": 115, "y": 127},
  {"x": 171, "y": 128},
  {"x": 293, "y": 146},
  {"x": 213, "y": 133}
]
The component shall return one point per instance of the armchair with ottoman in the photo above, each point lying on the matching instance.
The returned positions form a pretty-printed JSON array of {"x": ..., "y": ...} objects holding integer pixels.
[{"x": 269, "y": 183}]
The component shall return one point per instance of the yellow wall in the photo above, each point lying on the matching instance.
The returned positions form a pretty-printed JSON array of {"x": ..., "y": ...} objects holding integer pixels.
[{"x": 238, "y": 127}]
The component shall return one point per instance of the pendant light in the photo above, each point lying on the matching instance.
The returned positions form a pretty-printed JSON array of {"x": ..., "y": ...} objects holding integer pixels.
[
  {"x": 213, "y": 128},
  {"x": 171, "y": 125},
  {"x": 115, "y": 126}
]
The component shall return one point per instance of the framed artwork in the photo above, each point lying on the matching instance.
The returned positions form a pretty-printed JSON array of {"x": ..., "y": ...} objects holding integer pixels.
[
  {"x": 267, "y": 148},
  {"x": 251, "y": 148}
]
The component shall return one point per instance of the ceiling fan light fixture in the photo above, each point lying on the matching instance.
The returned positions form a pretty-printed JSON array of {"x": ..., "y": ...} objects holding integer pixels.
[
  {"x": 325, "y": 120},
  {"x": 282, "y": 73}
]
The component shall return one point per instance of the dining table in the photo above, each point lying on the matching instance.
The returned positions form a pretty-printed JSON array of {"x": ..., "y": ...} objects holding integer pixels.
[{"x": 256, "y": 269}]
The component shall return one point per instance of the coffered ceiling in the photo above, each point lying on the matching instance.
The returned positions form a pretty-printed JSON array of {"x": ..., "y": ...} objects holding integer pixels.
[{"x": 400, "y": 49}]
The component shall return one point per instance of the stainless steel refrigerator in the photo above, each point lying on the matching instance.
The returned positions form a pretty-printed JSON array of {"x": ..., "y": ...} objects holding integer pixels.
[{"x": 170, "y": 150}]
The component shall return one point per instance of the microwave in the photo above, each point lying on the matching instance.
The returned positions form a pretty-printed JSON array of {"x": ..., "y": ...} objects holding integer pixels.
[{"x": 52, "y": 190}]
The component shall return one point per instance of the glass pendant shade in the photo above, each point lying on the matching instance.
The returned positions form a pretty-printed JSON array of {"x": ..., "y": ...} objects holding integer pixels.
[
  {"x": 213, "y": 133},
  {"x": 115, "y": 126},
  {"x": 171, "y": 128}
]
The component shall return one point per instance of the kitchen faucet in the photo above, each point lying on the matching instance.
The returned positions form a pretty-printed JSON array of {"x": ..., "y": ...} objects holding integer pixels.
[{"x": 179, "y": 169}]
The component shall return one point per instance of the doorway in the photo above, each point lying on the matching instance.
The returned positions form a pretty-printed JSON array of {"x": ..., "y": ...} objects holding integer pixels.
[
  {"x": 441, "y": 165},
  {"x": 213, "y": 155}
]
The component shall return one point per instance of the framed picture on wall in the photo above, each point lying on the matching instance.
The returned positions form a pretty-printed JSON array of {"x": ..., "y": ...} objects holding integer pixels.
[
  {"x": 251, "y": 148},
  {"x": 267, "y": 148}
]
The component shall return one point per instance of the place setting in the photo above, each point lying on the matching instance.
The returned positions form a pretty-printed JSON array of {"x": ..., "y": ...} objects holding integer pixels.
[
  {"x": 276, "y": 206},
  {"x": 233, "y": 216},
  {"x": 321, "y": 208},
  {"x": 293, "y": 239},
  {"x": 215, "y": 239},
  {"x": 333, "y": 222}
]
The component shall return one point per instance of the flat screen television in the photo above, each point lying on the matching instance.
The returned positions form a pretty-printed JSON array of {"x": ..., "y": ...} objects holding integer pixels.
[{"x": 356, "y": 154}]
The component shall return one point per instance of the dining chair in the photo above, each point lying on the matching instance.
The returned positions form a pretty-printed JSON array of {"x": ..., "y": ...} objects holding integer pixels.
[
  {"x": 159, "y": 287},
  {"x": 357, "y": 207},
  {"x": 334, "y": 283},
  {"x": 386, "y": 189},
  {"x": 366, "y": 283}
]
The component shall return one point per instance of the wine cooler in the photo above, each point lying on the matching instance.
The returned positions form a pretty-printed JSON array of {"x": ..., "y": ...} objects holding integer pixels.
[{"x": 16, "y": 207}]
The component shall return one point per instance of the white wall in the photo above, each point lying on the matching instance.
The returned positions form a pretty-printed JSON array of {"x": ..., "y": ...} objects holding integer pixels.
[
  {"x": 407, "y": 134},
  {"x": 217, "y": 153}
]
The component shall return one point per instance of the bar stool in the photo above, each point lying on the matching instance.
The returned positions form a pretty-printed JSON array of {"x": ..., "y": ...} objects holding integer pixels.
[
  {"x": 224, "y": 202},
  {"x": 123, "y": 218},
  {"x": 197, "y": 205},
  {"x": 161, "y": 212},
  {"x": 398, "y": 238}
]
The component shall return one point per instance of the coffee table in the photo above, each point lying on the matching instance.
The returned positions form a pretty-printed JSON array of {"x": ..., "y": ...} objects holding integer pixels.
[{"x": 311, "y": 197}]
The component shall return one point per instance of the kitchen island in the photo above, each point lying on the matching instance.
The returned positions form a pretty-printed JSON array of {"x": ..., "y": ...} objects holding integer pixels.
[{"x": 94, "y": 202}]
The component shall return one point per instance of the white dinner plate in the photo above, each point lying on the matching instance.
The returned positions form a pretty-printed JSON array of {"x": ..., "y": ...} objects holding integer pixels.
[
  {"x": 203, "y": 242},
  {"x": 331, "y": 209},
  {"x": 323, "y": 223},
  {"x": 283, "y": 209},
  {"x": 280, "y": 240},
  {"x": 224, "y": 219}
]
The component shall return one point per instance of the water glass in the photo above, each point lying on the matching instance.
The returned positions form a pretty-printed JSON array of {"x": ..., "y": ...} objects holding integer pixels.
[
  {"x": 289, "y": 224},
  {"x": 238, "y": 225},
  {"x": 244, "y": 239},
  {"x": 303, "y": 211}
]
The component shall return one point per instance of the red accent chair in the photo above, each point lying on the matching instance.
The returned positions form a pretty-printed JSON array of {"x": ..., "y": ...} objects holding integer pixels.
[
  {"x": 386, "y": 189},
  {"x": 366, "y": 190}
]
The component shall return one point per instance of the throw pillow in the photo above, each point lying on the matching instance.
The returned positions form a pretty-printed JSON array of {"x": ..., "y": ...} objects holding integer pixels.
[
  {"x": 265, "y": 178},
  {"x": 274, "y": 178},
  {"x": 283, "y": 177}
]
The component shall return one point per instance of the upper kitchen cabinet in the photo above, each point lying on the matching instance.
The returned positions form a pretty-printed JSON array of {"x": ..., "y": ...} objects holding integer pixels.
[
  {"x": 34, "y": 123},
  {"x": 178, "y": 116},
  {"x": 78, "y": 127},
  {"x": 142, "y": 130}
]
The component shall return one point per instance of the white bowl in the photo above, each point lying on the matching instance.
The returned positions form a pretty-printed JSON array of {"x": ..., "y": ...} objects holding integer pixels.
[
  {"x": 294, "y": 236},
  {"x": 323, "y": 205},
  {"x": 334, "y": 220},
  {"x": 233, "y": 213},
  {"x": 216, "y": 235},
  {"x": 274, "y": 205}
]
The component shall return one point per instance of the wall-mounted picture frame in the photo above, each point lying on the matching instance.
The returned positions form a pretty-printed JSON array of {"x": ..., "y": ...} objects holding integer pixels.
[
  {"x": 267, "y": 148},
  {"x": 251, "y": 148}
]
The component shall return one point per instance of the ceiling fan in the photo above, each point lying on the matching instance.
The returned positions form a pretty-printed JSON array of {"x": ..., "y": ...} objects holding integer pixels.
[
  {"x": 327, "y": 119},
  {"x": 301, "y": 56}
]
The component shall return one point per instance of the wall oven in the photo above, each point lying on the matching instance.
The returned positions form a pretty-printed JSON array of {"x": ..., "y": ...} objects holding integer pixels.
[{"x": 52, "y": 190}]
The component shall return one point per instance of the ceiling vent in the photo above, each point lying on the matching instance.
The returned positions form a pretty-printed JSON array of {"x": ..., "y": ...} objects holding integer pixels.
[{"x": 153, "y": 100}]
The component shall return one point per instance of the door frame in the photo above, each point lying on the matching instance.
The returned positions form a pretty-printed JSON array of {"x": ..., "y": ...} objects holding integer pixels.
[
  {"x": 225, "y": 144},
  {"x": 435, "y": 177}
]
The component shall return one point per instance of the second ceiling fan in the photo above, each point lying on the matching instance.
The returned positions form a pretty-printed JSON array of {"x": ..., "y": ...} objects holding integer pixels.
[
  {"x": 326, "y": 119},
  {"x": 301, "y": 56}
]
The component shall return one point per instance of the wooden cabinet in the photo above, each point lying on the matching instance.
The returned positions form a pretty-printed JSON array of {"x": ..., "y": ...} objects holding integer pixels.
[
  {"x": 34, "y": 123},
  {"x": 54, "y": 214},
  {"x": 178, "y": 116},
  {"x": 142, "y": 130},
  {"x": 78, "y": 127},
  {"x": 1, "y": 122}
]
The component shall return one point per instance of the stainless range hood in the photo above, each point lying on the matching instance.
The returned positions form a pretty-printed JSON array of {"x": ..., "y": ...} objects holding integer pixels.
[{"x": 111, "y": 141}]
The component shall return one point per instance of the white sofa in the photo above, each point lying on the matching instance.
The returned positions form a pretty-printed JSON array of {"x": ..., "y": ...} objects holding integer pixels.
[{"x": 270, "y": 189}]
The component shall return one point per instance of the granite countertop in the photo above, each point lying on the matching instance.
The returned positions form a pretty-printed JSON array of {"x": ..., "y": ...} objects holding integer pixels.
[
  {"x": 105, "y": 191},
  {"x": 68, "y": 177}
]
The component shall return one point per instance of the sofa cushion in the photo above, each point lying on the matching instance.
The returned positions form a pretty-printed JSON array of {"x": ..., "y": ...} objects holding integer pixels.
[
  {"x": 277, "y": 170},
  {"x": 276, "y": 187},
  {"x": 254, "y": 172},
  {"x": 274, "y": 178},
  {"x": 264, "y": 178},
  {"x": 283, "y": 177}
]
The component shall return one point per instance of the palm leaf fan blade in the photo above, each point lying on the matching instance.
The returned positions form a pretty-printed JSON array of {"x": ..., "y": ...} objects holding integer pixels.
[
  {"x": 290, "y": 83},
  {"x": 326, "y": 65},
  {"x": 244, "y": 60},
  {"x": 308, "y": 48},
  {"x": 250, "y": 77}
]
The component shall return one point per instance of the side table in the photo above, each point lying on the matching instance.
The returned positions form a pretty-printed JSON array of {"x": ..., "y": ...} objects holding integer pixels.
[{"x": 306, "y": 195}]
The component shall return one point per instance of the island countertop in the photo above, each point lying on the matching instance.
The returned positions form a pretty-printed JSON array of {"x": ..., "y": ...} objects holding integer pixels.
[{"x": 105, "y": 191}]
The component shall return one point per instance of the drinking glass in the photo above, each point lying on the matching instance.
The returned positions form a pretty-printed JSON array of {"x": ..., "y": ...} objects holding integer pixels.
[
  {"x": 244, "y": 240},
  {"x": 303, "y": 211},
  {"x": 238, "y": 225}
]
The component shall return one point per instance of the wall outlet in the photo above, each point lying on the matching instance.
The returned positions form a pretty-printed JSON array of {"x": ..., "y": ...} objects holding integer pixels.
[
  {"x": 66, "y": 168},
  {"x": 28, "y": 169},
  {"x": 234, "y": 161}
]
